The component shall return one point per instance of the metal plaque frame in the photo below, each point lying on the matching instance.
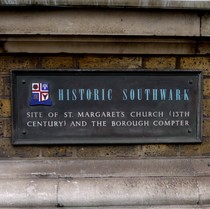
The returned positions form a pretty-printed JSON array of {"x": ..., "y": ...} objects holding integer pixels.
[{"x": 106, "y": 107}]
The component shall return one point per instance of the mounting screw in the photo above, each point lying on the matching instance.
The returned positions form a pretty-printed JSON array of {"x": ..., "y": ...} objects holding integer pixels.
[
  {"x": 23, "y": 81},
  {"x": 190, "y": 82},
  {"x": 24, "y": 132},
  {"x": 189, "y": 131}
]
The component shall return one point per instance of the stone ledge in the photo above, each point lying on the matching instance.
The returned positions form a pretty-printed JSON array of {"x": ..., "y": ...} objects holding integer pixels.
[
  {"x": 98, "y": 192},
  {"x": 28, "y": 193},
  {"x": 165, "y": 4},
  {"x": 99, "y": 22},
  {"x": 102, "y": 45},
  {"x": 148, "y": 207},
  {"x": 142, "y": 183},
  {"x": 118, "y": 168},
  {"x": 132, "y": 207},
  {"x": 129, "y": 191}
]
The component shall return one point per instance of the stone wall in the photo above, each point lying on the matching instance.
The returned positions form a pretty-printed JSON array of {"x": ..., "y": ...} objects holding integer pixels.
[
  {"x": 129, "y": 62},
  {"x": 104, "y": 34}
]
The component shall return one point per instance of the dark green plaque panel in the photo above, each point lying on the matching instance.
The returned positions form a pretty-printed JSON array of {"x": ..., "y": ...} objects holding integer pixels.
[{"x": 77, "y": 107}]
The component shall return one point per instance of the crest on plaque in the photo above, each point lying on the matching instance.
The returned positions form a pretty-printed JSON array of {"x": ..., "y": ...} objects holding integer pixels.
[{"x": 40, "y": 94}]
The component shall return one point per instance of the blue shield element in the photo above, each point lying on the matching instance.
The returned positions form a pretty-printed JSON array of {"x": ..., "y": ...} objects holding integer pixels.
[{"x": 40, "y": 94}]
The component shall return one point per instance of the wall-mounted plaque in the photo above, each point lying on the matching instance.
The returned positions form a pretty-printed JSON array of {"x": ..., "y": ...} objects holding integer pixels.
[{"x": 77, "y": 107}]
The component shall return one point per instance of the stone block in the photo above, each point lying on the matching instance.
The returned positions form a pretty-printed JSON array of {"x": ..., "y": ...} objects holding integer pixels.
[
  {"x": 195, "y": 150},
  {"x": 28, "y": 193},
  {"x": 7, "y": 86},
  {"x": 200, "y": 166},
  {"x": 110, "y": 62},
  {"x": 9, "y": 151},
  {"x": 6, "y": 150},
  {"x": 206, "y": 128},
  {"x": 95, "y": 22},
  {"x": 157, "y": 150},
  {"x": 57, "y": 62},
  {"x": 205, "y": 22},
  {"x": 1, "y": 86},
  {"x": 1, "y": 127},
  {"x": 206, "y": 107},
  {"x": 5, "y": 108},
  {"x": 159, "y": 63},
  {"x": 108, "y": 183},
  {"x": 110, "y": 45},
  {"x": 8, "y": 63},
  {"x": 196, "y": 63},
  {"x": 103, "y": 168},
  {"x": 203, "y": 48},
  {"x": 190, "y": 150},
  {"x": 7, "y": 128},
  {"x": 151, "y": 207},
  {"x": 204, "y": 185},
  {"x": 127, "y": 191},
  {"x": 206, "y": 86},
  {"x": 57, "y": 151},
  {"x": 112, "y": 151},
  {"x": 26, "y": 152},
  {"x": 205, "y": 147}
]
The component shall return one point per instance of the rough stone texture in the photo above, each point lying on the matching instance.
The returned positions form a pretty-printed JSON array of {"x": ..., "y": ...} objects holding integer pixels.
[
  {"x": 7, "y": 128},
  {"x": 109, "y": 151},
  {"x": 57, "y": 151},
  {"x": 95, "y": 22},
  {"x": 8, "y": 63},
  {"x": 164, "y": 4},
  {"x": 1, "y": 86},
  {"x": 150, "y": 207},
  {"x": 160, "y": 63},
  {"x": 206, "y": 107},
  {"x": 1, "y": 128},
  {"x": 104, "y": 168},
  {"x": 157, "y": 150},
  {"x": 206, "y": 129},
  {"x": 5, "y": 109},
  {"x": 202, "y": 149},
  {"x": 203, "y": 48},
  {"x": 205, "y": 29},
  {"x": 114, "y": 62},
  {"x": 180, "y": 183},
  {"x": 206, "y": 87},
  {"x": 28, "y": 193},
  {"x": 135, "y": 191},
  {"x": 103, "y": 45},
  {"x": 54, "y": 62},
  {"x": 190, "y": 150},
  {"x": 7, "y": 86},
  {"x": 136, "y": 207},
  {"x": 196, "y": 63},
  {"x": 9, "y": 151},
  {"x": 204, "y": 190},
  {"x": 205, "y": 147}
]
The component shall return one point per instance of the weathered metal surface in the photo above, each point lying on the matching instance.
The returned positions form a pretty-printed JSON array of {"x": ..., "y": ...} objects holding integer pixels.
[{"x": 72, "y": 107}]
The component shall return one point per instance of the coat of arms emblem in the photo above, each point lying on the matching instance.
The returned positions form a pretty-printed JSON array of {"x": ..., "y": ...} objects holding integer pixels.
[{"x": 40, "y": 94}]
